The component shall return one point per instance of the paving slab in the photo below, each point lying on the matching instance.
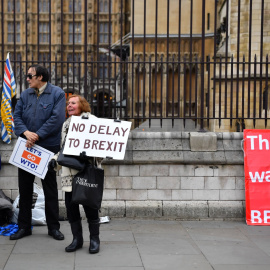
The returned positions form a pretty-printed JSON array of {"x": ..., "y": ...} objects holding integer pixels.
[
  {"x": 160, "y": 226},
  {"x": 111, "y": 254},
  {"x": 241, "y": 267},
  {"x": 5, "y": 251},
  {"x": 212, "y": 224},
  {"x": 233, "y": 252},
  {"x": 255, "y": 230},
  {"x": 40, "y": 261},
  {"x": 183, "y": 262},
  {"x": 262, "y": 241},
  {"x": 117, "y": 236},
  {"x": 219, "y": 234},
  {"x": 164, "y": 244},
  {"x": 39, "y": 244}
]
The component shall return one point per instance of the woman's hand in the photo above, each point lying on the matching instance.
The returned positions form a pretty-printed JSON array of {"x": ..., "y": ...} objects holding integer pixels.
[
  {"x": 51, "y": 165},
  {"x": 83, "y": 156}
]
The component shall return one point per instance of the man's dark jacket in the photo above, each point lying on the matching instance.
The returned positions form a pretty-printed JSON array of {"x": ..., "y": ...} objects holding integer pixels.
[{"x": 43, "y": 115}]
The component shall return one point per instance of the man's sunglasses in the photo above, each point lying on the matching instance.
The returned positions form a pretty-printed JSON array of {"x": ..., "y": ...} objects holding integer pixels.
[{"x": 30, "y": 76}]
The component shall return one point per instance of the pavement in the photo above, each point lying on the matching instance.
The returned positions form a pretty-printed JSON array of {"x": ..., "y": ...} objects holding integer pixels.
[{"x": 146, "y": 244}]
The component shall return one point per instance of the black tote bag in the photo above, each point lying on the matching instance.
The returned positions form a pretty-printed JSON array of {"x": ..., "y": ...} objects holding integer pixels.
[{"x": 87, "y": 187}]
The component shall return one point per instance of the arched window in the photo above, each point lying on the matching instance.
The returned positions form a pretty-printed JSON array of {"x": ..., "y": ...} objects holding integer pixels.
[
  {"x": 77, "y": 32},
  {"x": 44, "y": 32},
  {"x": 77, "y": 5},
  {"x": 10, "y": 31},
  {"x": 44, "y": 5},
  {"x": 104, "y": 6},
  {"x": 11, "y": 6}
]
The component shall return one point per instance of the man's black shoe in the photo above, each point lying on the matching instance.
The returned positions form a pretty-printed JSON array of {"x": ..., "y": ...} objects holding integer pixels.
[
  {"x": 56, "y": 234},
  {"x": 20, "y": 234}
]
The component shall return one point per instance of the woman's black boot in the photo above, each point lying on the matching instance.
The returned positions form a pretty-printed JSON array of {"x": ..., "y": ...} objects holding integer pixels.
[
  {"x": 94, "y": 236},
  {"x": 76, "y": 229}
]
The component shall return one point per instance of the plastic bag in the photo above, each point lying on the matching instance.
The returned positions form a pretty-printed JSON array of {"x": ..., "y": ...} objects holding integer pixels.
[
  {"x": 38, "y": 207},
  {"x": 9, "y": 229}
]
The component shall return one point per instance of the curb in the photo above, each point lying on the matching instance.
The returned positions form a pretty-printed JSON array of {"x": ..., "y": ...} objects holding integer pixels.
[{"x": 184, "y": 210}]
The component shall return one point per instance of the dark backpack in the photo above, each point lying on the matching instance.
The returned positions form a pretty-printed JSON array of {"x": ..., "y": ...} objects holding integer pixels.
[{"x": 6, "y": 209}]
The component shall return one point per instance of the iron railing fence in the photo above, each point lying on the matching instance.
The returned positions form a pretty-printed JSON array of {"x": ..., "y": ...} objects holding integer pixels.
[{"x": 203, "y": 61}]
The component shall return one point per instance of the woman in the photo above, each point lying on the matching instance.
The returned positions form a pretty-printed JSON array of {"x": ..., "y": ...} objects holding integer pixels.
[{"x": 77, "y": 106}]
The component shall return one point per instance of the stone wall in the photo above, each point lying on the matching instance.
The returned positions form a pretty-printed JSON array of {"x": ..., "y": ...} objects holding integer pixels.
[{"x": 181, "y": 175}]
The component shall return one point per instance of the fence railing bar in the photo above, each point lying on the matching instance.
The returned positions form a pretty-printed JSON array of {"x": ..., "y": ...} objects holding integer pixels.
[
  {"x": 172, "y": 98},
  {"x": 185, "y": 89},
  {"x": 50, "y": 36},
  {"x": 85, "y": 50},
  {"x": 243, "y": 88},
  {"x": 115, "y": 83},
  {"x": 190, "y": 57},
  {"x": 266, "y": 91},
  {"x": 133, "y": 59},
  {"x": 156, "y": 54},
  {"x": 73, "y": 41},
  {"x": 161, "y": 91},
  {"x": 215, "y": 59},
  {"x": 26, "y": 30},
  {"x": 208, "y": 90},
  {"x": 196, "y": 90},
  {"x": 231, "y": 97},
  {"x": 261, "y": 54},
  {"x": 249, "y": 54},
  {"x": 150, "y": 87},
  {"x": 238, "y": 55},
  {"x": 202, "y": 66},
  {"x": 56, "y": 70},
  {"x": 103, "y": 90},
  {"x": 144, "y": 64},
  {"x": 121, "y": 57},
  {"x": 179, "y": 55},
  {"x": 226, "y": 57},
  {"x": 62, "y": 43},
  {"x": 219, "y": 97},
  {"x": 255, "y": 88},
  {"x": 2, "y": 39},
  {"x": 14, "y": 35},
  {"x": 138, "y": 90},
  {"x": 168, "y": 57},
  {"x": 110, "y": 60}
]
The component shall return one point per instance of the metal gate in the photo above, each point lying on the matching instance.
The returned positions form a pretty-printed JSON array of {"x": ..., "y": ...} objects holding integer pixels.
[{"x": 203, "y": 62}]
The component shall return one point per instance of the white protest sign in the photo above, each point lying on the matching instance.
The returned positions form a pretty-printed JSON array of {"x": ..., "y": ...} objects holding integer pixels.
[
  {"x": 98, "y": 137},
  {"x": 34, "y": 160}
]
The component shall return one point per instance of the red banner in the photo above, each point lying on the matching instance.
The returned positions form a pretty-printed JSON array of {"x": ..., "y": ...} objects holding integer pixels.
[{"x": 257, "y": 176}]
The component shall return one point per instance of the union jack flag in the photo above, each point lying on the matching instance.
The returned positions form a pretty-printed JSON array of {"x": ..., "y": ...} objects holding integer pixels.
[{"x": 8, "y": 92}]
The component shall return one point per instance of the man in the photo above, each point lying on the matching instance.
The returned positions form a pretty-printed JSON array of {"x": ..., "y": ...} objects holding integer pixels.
[{"x": 38, "y": 117}]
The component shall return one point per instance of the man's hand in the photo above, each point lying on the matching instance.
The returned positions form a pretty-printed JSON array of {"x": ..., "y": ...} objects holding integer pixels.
[{"x": 31, "y": 137}]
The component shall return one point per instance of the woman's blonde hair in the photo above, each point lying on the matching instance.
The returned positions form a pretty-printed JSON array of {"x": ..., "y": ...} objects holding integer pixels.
[{"x": 83, "y": 103}]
